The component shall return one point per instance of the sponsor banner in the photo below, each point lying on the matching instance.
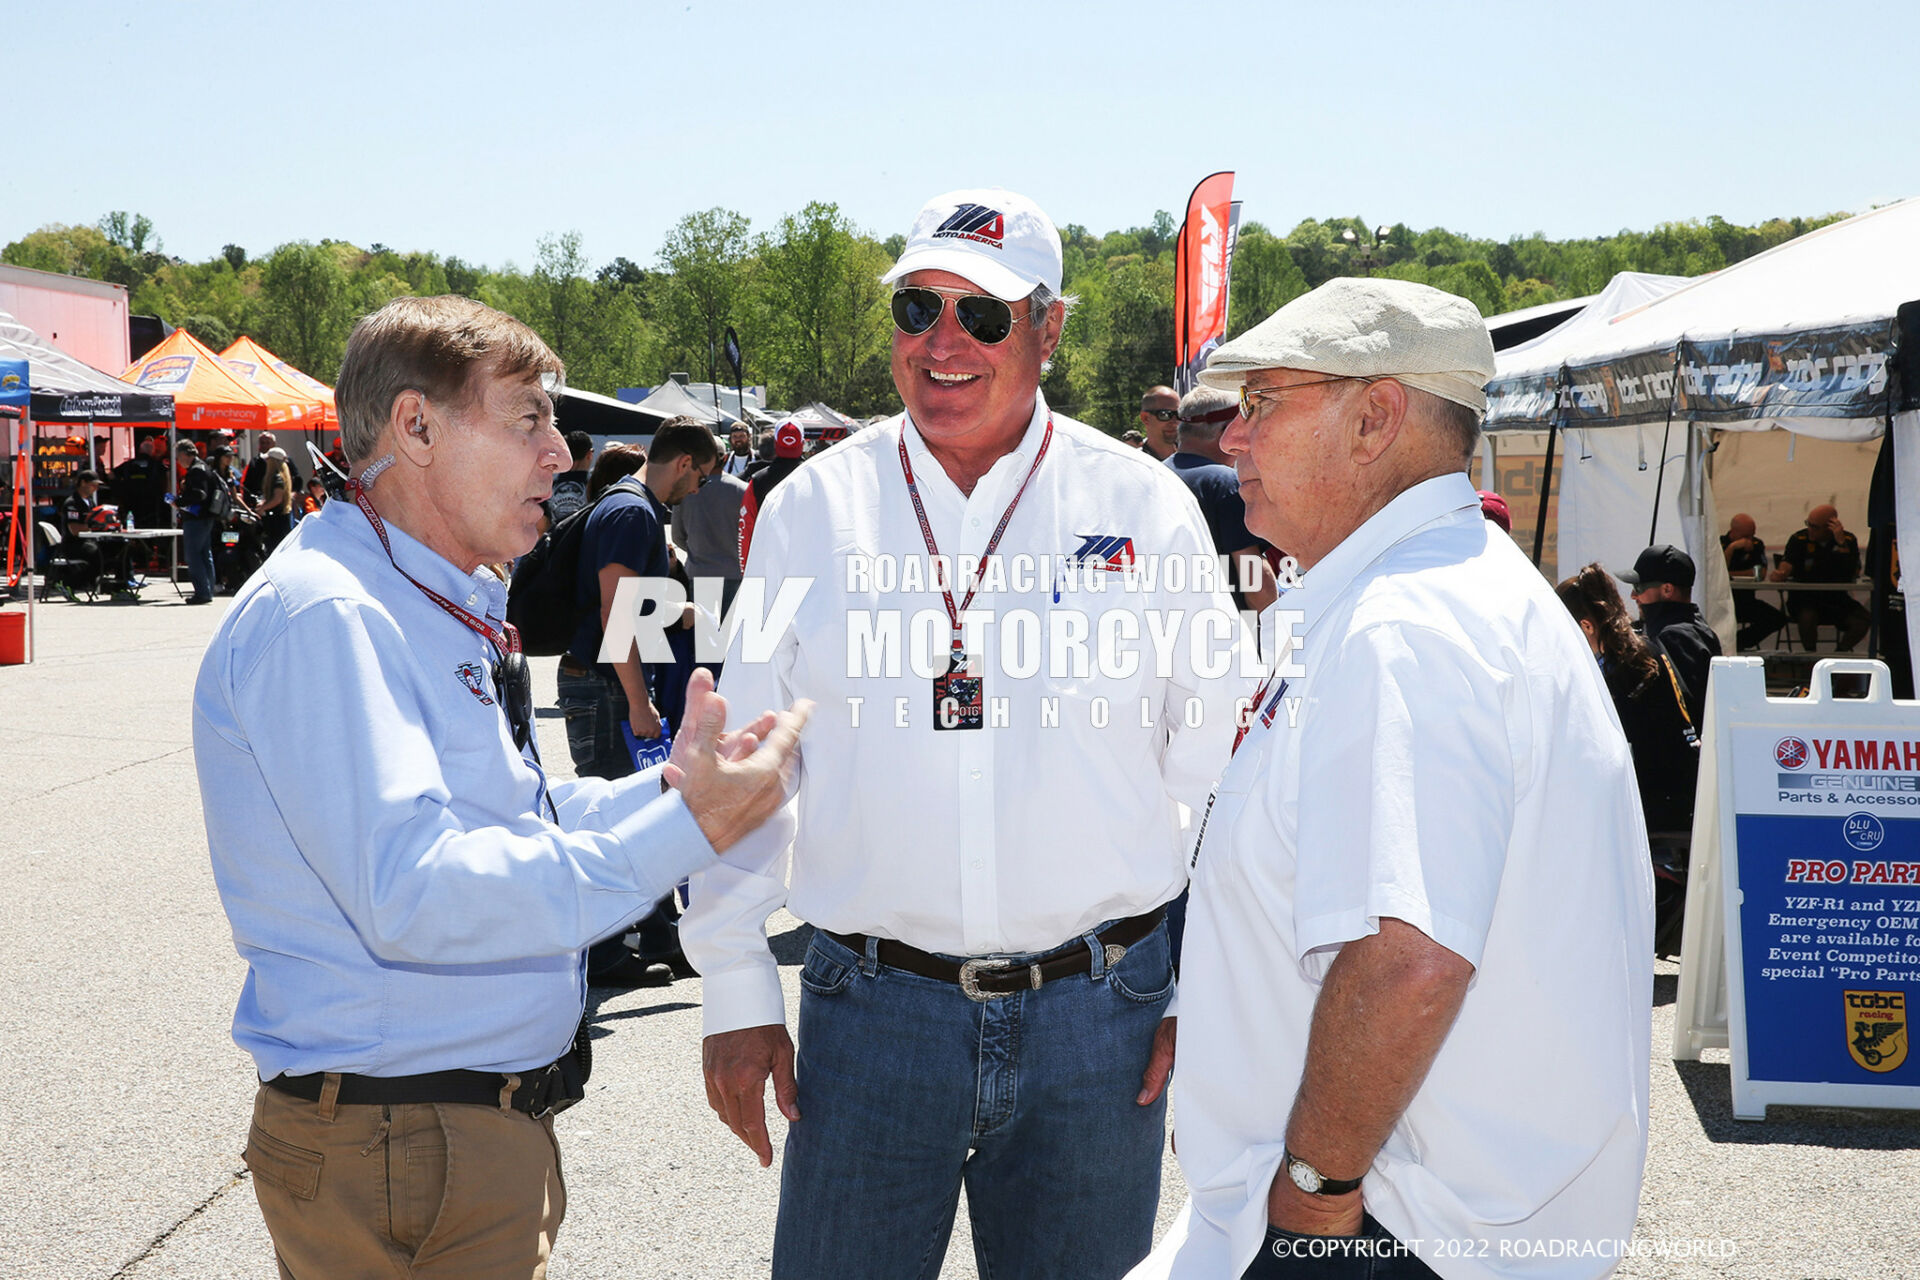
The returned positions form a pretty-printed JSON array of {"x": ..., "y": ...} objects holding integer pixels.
[
  {"x": 168, "y": 373},
  {"x": 95, "y": 406},
  {"x": 1838, "y": 373},
  {"x": 1203, "y": 262},
  {"x": 1827, "y": 824}
]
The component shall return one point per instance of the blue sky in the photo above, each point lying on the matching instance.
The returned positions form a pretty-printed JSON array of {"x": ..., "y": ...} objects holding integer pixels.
[{"x": 473, "y": 129}]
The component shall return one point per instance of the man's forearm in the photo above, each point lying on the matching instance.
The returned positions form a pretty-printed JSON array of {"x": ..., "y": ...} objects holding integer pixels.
[{"x": 1398, "y": 982}]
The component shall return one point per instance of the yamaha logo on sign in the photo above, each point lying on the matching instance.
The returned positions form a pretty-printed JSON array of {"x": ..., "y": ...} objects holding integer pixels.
[
  {"x": 1790, "y": 753},
  {"x": 1877, "y": 1028}
]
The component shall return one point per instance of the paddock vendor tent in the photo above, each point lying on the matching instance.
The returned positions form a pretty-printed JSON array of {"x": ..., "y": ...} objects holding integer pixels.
[
  {"x": 68, "y": 390},
  {"x": 1804, "y": 338},
  {"x": 269, "y": 372},
  {"x": 671, "y": 400},
  {"x": 208, "y": 395}
]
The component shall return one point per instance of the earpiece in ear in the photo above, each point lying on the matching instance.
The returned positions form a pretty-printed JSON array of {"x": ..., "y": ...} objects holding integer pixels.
[{"x": 419, "y": 425}]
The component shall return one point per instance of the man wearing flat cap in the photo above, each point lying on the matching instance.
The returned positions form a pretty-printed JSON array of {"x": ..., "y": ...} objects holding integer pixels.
[
  {"x": 985, "y": 849},
  {"x": 1417, "y": 976}
]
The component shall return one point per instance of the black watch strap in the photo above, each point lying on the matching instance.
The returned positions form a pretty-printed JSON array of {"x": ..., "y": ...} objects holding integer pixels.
[{"x": 1328, "y": 1186}]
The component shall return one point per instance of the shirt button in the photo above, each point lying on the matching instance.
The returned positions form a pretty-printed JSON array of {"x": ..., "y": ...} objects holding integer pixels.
[
  {"x": 471, "y": 599},
  {"x": 976, "y": 522},
  {"x": 978, "y": 864},
  {"x": 975, "y": 775}
]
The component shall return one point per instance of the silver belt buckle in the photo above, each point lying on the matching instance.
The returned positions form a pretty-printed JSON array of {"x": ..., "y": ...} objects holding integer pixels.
[{"x": 970, "y": 979}]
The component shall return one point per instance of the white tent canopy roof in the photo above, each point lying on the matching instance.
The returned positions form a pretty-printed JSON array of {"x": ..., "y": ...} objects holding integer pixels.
[
  {"x": 1796, "y": 337},
  {"x": 671, "y": 400}
]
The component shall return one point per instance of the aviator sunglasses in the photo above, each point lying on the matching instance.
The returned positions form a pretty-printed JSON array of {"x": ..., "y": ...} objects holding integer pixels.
[{"x": 987, "y": 320}]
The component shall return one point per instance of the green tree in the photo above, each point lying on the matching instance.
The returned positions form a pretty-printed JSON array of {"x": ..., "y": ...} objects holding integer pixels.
[
  {"x": 210, "y": 330},
  {"x": 1265, "y": 278},
  {"x": 820, "y": 309},
  {"x": 560, "y": 293},
  {"x": 305, "y": 307},
  {"x": 707, "y": 258}
]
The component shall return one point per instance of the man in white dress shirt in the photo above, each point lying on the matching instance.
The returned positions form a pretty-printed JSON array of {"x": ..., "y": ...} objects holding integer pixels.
[
  {"x": 1417, "y": 979},
  {"x": 986, "y": 830}
]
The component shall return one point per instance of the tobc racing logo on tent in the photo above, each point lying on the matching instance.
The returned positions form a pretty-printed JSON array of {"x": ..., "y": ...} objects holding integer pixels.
[
  {"x": 470, "y": 676},
  {"x": 974, "y": 222},
  {"x": 1876, "y": 1028},
  {"x": 1790, "y": 753},
  {"x": 1108, "y": 551}
]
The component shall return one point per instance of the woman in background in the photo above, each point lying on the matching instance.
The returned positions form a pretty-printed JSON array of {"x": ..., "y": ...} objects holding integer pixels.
[{"x": 1664, "y": 741}]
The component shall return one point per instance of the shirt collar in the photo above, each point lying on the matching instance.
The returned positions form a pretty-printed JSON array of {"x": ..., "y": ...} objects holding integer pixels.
[
  {"x": 480, "y": 591},
  {"x": 1410, "y": 512},
  {"x": 1017, "y": 460}
]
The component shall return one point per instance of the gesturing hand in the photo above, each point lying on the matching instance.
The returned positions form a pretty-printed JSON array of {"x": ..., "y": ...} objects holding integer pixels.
[
  {"x": 1159, "y": 1062},
  {"x": 736, "y": 1065},
  {"x": 732, "y": 782}
]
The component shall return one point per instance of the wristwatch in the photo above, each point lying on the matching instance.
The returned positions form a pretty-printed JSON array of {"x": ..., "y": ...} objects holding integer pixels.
[{"x": 1313, "y": 1182}]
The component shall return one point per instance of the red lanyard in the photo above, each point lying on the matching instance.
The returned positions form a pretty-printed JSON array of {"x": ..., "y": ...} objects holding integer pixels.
[
  {"x": 1266, "y": 713},
  {"x": 954, "y": 612},
  {"x": 507, "y": 641}
]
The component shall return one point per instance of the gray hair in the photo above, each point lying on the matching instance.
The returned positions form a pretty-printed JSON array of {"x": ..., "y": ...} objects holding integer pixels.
[
  {"x": 1041, "y": 301},
  {"x": 1202, "y": 402}
]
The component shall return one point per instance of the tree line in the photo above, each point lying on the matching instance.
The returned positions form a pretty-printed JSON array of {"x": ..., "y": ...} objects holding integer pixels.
[{"x": 805, "y": 298}]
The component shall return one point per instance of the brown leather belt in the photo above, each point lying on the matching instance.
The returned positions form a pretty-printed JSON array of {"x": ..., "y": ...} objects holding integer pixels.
[
  {"x": 990, "y": 978},
  {"x": 573, "y": 668}
]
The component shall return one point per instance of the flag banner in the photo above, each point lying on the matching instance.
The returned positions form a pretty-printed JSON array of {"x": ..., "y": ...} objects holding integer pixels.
[
  {"x": 733, "y": 353},
  {"x": 14, "y": 388},
  {"x": 1203, "y": 260}
]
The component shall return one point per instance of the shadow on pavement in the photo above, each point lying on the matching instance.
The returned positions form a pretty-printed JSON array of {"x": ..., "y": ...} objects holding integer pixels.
[
  {"x": 1710, "y": 1086},
  {"x": 790, "y": 948}
]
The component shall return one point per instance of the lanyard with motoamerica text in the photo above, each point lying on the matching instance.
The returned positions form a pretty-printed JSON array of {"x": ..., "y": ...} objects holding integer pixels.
[
  {"x": 958, "y": 699},
  {"x": 511, "y": 680}
]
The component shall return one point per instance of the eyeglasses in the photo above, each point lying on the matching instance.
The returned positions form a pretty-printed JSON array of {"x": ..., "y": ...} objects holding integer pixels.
[
  {"x": 917, "y": 308},
  {"x": 1247, "y": 397},
  {"x": 514, "y": 683},
  {"x": 1165, "y": 415}
]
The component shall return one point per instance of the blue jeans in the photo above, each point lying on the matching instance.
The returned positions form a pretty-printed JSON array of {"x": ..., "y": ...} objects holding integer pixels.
[
  {"x": 910, "y": 1091},
  {"x": 198, "y": 535},
  {"x": 594, "y": 707}
]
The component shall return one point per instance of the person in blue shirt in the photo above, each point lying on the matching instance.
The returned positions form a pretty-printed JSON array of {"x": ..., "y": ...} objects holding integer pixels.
[
  {"x": 411, "y": 893},
  {"x": 1208, "y": 472}
]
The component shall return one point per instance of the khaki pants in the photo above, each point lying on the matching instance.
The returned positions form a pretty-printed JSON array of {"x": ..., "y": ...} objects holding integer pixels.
[{"x": 416, "y": 1191}]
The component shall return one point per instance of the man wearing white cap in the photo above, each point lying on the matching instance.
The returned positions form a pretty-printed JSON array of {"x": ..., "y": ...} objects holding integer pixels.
[
  {"x": 1416, "y": 981},
  {"x": 985, "y": 848}
]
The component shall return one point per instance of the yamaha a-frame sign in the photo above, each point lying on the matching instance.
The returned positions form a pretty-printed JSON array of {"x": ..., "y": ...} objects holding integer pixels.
[{"x": 1802, "y": 947}]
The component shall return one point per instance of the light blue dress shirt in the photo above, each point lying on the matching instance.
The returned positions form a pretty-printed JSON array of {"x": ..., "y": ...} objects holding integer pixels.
[{"x": 404, "y": 897}]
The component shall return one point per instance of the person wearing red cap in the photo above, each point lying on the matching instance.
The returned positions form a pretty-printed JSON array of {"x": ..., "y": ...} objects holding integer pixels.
[
  {"x": 789, "y": 449},
  {"x": 1494, "y": 508}
]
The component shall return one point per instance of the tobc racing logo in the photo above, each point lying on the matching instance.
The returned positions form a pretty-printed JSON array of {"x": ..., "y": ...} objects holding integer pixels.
[
  {"x": 1112, "y": 552},
  {"x": 1876, "y": 1028},
  {"x": 1790, "y": 753},
  {"x": 974, "y": 222},
  {"x": 471, "y": 676}
]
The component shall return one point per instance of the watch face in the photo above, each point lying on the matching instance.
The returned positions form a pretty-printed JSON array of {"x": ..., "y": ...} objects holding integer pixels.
[{"x": 1304, "y": 1176}]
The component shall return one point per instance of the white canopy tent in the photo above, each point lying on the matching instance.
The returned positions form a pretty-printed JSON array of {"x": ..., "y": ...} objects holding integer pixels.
[{"x": 1802, "y": 338}]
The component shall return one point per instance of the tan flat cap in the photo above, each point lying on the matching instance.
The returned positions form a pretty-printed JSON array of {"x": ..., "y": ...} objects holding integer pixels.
[{"x": 1426, "y": 338}]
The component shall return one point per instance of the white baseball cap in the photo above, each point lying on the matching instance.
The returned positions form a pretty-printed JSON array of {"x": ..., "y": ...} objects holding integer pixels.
[{"x": 998, "y": 239}]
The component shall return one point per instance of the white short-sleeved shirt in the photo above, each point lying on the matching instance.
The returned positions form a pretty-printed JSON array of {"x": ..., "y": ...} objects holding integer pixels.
[{"x": 1450, "y": 758}]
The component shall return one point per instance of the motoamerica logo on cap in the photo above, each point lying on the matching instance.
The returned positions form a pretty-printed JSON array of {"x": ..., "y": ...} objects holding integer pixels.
[{"x": 975, "y": 222}]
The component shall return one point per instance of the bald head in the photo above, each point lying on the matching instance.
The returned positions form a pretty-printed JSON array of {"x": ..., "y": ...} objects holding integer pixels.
[
  {"x": 1741, "y": 526},
  {"x": 1159, "y": 418},
  {"x": 1823, "y": 522}
]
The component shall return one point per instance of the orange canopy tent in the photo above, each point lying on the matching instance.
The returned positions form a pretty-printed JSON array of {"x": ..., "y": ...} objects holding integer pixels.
[
  {"x": 207, "y": 394},
  {"x": 266, "y": 370}
]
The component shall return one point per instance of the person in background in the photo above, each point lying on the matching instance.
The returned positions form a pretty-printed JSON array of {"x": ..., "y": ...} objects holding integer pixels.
[
  {"x": 1133, "y": 439},
  {"x": 1159, "y": 422},
  {"x": 706, "y": 526},
  {"x": 1823, "y": 552},
  {"x": 739, "y": 451},
  {"x": 200, "y": 507},
  {"x": 1494, "y": 508},
  {"x": 1746, "y": 553},
  {"x": 1664, "y": 739},
  {"x": 789, "y": 450},
  {"x": 1662, "y": 580},
  {"x": 276, "y": 502},
  {"x": 570, "y": 486},
  {"x": 316, "y": 497},
  {"x": 1208, "y": 474},
  {"x": 83, "y": 557}
]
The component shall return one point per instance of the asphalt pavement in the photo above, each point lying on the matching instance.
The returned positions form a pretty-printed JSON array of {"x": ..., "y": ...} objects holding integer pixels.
[{"x": 126, "y": 1102}]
